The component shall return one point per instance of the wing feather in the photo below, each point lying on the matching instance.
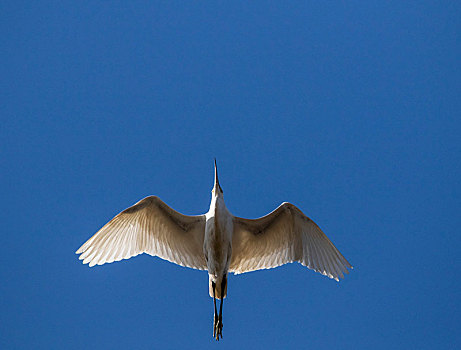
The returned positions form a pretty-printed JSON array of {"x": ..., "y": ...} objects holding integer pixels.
[
  {"x": 285, "y": 235},
  {"x": 152, "y": 227}
]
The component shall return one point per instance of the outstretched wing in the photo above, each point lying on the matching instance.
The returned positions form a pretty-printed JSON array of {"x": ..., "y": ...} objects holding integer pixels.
[
  {"x": 150, "y": 226},
  {"x": 283, "y": 236}
]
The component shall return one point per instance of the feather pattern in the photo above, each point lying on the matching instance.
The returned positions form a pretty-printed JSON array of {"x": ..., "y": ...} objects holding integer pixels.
[
  {"x": 150, "y": 226},
  {"x": 283, "y": 236}
]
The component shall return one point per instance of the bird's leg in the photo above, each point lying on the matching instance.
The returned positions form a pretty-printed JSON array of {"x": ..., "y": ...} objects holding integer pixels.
[
  {"x": 215, "y": 317},
  {"x": 220, "y": 324}
]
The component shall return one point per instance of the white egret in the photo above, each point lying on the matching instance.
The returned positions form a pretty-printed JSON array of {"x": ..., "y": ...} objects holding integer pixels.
[{"x": 216, "y": 241}]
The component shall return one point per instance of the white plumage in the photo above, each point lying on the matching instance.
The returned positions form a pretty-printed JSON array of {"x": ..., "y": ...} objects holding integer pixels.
[
  {"x": 152, "y": 227},
  {"x": 216, "y": 241}
]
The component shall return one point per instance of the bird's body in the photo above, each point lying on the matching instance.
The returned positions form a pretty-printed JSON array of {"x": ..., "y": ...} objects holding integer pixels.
[
  {"x": 217, "y": 245},
  {"x": 216, "y": 241}
]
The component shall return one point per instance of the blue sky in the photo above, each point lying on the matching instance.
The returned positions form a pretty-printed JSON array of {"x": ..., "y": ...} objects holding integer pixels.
[{"x": 350, "y": 110}]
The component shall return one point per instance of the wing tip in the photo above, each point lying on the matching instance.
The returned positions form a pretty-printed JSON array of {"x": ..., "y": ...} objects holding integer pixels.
[{"x": 84, "y": 262}]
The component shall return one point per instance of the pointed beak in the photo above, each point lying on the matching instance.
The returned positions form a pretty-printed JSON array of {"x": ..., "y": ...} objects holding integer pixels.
[{"x": 216, "y": 181}]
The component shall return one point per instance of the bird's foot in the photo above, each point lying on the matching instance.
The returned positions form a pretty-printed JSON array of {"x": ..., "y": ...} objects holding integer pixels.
[{"x": 217, "y": 327}]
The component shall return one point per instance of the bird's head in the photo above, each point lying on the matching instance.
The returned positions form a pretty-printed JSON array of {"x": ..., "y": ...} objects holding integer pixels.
[{"x": 217, "y": 190}]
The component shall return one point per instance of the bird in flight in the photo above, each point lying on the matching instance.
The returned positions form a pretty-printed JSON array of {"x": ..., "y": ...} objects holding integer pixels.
[{"x": 216, "y": 241}]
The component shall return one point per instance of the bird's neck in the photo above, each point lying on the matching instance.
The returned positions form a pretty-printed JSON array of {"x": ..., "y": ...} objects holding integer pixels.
[{"x": 217, "y": 204}]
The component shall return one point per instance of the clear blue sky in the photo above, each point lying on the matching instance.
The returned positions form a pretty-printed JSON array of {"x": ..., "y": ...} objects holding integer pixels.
[{"x": 350, "y": 110}]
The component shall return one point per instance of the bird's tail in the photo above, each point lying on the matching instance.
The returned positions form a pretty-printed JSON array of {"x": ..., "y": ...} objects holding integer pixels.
[{"x": 217, "y": 289}]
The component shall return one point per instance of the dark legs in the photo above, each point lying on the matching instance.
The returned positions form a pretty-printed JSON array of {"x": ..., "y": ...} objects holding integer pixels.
[
  {"x": 217, "y": 325},
  {"x": 215, "y": 318}
]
